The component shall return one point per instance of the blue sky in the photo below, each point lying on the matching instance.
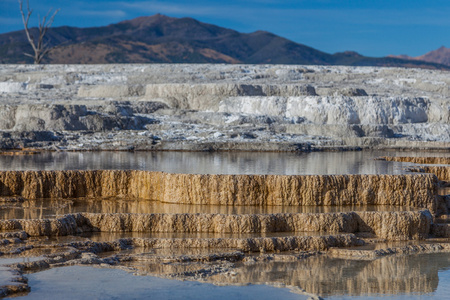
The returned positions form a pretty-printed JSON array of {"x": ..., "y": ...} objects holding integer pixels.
[{"x": 370, "y": 27}]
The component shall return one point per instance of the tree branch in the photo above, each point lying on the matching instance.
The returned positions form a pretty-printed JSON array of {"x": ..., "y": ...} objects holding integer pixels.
[{"x": 39, "y": 47}]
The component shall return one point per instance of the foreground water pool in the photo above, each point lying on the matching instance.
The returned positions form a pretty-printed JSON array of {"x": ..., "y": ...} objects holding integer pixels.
[
  {"x": 425, "y": 276},
  {"x": 80, "y": 282}
]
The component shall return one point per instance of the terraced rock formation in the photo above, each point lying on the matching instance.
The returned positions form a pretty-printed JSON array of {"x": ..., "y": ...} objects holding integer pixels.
[
  {"x": 441, "y": 228},
  {"x": 387, "y": 225},
  {"x": 419, "y": 160},
  {"x": 222, "y": 107},
  {"x": 229, "y": 238},
  {"x": 442, "y": 172},
  {"x": 260, "y": 190}
]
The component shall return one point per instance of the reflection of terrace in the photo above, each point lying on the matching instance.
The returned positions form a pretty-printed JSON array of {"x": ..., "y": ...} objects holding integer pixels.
[
  {"x": 51, "y": 208},
  {"x": 326, "y": 276}
]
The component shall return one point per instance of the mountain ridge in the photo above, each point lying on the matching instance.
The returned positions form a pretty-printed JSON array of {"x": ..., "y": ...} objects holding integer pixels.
[
  {"x": 164, "y": 39},
  {"x": 439, "y": 56}
]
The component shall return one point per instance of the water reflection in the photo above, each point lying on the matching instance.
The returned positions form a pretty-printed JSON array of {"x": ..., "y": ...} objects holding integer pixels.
[
  {"x": 325, "y": 276},
  {"x": 52, "y": 208},
  {"x": 112, "y": 236},
  {"x": 82, "y": 282},
  {"x": 315, "y": 163}
]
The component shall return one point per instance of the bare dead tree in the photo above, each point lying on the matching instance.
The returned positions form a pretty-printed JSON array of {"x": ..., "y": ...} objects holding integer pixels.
[{"x": 40, "y": 47}]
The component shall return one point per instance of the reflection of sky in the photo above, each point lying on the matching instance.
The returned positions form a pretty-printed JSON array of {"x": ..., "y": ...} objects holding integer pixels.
[
  {"x": 443, "y": 290},
  {"x": 373, "y": 28},
  {"x": 314, "y": 163},
  {"x": 79, "y": 282}
]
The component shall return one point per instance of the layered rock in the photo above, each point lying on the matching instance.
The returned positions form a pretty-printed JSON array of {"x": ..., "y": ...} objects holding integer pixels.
[
  {"x": 282, "y": 108},
  {"x": 400, "y": 190},
  {"x": 334, "y": 110},
  {"x": 419, "y": 160},
  {"x": 386, "y": 225},
  {"x": 209, "y": 96},
  {"x": 441, "y": 172},
  {"x": 56, "y": 117}
]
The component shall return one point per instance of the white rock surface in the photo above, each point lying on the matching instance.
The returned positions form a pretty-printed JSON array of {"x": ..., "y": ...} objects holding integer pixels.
[
  {"x": 198, "y": 107},
  {"x": 12, "y": 87}
]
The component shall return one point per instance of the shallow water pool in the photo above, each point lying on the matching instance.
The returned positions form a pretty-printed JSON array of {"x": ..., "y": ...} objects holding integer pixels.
[{"x": 312, "y": 163}]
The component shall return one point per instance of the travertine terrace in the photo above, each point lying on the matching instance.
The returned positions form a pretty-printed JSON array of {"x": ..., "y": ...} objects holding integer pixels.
[
  {"x": 260, "y": 190},
  {"x": 303, "y": 233},
  {"x": 231, "y": 237},
  {"x": 222, "y": 107},
  {"x": 227, "y": 229}
]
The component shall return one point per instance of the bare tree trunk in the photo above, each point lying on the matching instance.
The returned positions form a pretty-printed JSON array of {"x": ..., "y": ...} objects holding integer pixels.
[{"x": 40, "y": 47}]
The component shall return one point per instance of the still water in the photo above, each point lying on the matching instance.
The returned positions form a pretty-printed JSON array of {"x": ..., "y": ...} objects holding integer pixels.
[
  {"x": 391, "y": 277},
  {"x": 313, "y": 163}
]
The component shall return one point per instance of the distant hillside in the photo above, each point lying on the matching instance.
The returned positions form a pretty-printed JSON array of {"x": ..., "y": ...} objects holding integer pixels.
[
  {"x": 162, "y": 39},
  {"x": 438, "y": 56}
]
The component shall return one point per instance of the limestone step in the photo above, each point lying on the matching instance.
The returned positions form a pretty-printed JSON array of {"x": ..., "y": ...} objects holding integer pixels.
[{"x": 399, "y": 225}]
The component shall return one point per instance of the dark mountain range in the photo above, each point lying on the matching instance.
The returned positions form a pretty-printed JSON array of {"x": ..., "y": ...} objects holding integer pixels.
[
  {"x": 438, "y": 56},
  {"x": 162, "y": 39}
]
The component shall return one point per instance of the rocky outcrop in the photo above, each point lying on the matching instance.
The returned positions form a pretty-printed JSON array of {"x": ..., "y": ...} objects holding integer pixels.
[
  {"x": 259, "y": 190},
  {"x": 286, "y": 243},
  {"x": 443, "y": 175},
  {"x": 110, "y": 91},
  {"x": 399, "y": 190},
  {"x": 396, "y": 225}
]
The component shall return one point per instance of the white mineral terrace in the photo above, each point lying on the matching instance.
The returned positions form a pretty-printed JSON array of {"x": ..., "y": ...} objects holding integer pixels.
[{"x": 228, "y": 107}]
